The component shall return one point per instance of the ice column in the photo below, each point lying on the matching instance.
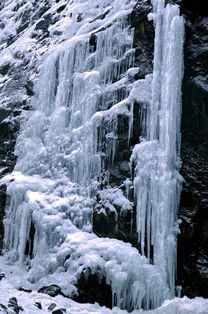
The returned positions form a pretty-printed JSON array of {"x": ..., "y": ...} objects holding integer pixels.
[{"x": 157, "y": 181}]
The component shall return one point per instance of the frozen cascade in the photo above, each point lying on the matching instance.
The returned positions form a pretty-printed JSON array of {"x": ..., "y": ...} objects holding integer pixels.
[
  {"x": 157, "y": 180},
  {"x": 59, "y": 140},
  {"x": 51, "y": 196},
  {"x": 48, "y": 217}
]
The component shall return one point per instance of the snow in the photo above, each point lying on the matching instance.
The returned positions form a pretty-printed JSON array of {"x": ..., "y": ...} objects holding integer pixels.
[
  {"x": 28, "y": 300},
  {"x": 113, "y": 198}
]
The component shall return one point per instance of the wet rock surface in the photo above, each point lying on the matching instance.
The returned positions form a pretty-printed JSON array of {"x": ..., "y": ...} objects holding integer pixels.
[{"x": 193, "y": 240}]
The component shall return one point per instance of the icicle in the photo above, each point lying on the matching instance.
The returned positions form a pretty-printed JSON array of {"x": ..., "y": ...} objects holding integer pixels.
[{"x": 157, "y": 182}]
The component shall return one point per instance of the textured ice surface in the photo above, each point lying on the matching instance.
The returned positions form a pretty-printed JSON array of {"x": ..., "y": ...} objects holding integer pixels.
[{"x": 157, "y": 181}]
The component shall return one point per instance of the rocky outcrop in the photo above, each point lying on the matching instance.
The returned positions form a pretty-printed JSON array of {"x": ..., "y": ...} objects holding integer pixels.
[
  {"x": 91, "y": 288},
  {"x": 52, "y": 290},
  {"x": 193, "y": 240},
  {"x": 121, "y": 224}
]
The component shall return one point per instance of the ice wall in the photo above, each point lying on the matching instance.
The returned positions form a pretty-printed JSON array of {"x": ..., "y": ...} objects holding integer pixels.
[
  {"x": 58, "y": 140},
  {"x": 157, "y": 182},
  {"x": 58, "y": 171}
]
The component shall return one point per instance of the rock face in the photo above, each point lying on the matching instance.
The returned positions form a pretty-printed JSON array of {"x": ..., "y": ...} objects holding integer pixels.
[{"x": 193, "y": 241}]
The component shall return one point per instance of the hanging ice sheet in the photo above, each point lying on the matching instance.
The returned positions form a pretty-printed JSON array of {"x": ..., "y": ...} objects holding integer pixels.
[{"x": 157, "y": 182}]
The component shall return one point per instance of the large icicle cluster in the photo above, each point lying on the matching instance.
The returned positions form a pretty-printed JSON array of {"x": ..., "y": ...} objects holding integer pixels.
[
  {"x": 48, "y": 217},
  {"x": 157, "y": 181}
]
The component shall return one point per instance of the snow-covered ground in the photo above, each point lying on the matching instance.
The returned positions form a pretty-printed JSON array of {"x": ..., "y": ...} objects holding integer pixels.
[{"x": 27, "y": 302}]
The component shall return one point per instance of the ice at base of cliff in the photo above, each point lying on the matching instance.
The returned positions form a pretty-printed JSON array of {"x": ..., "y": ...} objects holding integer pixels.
[
  {"x": 63, "y": 247},
  {"x": 28, "y": 300}
]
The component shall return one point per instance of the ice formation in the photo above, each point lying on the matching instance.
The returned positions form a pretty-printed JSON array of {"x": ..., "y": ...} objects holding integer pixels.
[
  {"x": 48, "y": 219},
  {"x": 157, "y": 181}
]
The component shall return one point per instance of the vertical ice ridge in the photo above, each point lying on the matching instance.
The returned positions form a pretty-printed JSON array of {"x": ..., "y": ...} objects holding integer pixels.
[{"x": 157, "y": 181}]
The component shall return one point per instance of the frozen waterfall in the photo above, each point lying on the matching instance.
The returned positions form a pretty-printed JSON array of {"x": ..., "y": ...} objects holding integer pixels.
[
  {"x": 157, "y": 182},
  {"x": 60, "y": 166}
]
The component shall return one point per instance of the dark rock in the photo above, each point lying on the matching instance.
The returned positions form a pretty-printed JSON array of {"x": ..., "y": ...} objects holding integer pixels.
[
  {"x": 143, "y": 37},
  {"x": 52, "y": 306},
  {"x": 52, "y": 290},
  {"x": 30, "y": 242},
  {"x": 2, "y": 275},
  {"x": 198, "y": 7},
  {"x": 93, "y": 288},
  {"x": 3, "y": 307},
  {"x": 38, "y": 305},
  {"x": 61, "y": 8},
  {"x": 59, "y": 311},
  {"x": 25, "y": 290},
  {"x": 114, "y": 224},
  {"x": 14, "y": 305},
  {"x": 44, "y": 23},
  {"x": 41, "y": 28},
  {"x": 4, "y": 69},
  {"x": 2, "y": 25},
  {"x": 193, "y": 240},
  {"x": 79, "y": 18},
  {"x": 93, "y": 43},
  {"x": 29, "y": 88}
]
